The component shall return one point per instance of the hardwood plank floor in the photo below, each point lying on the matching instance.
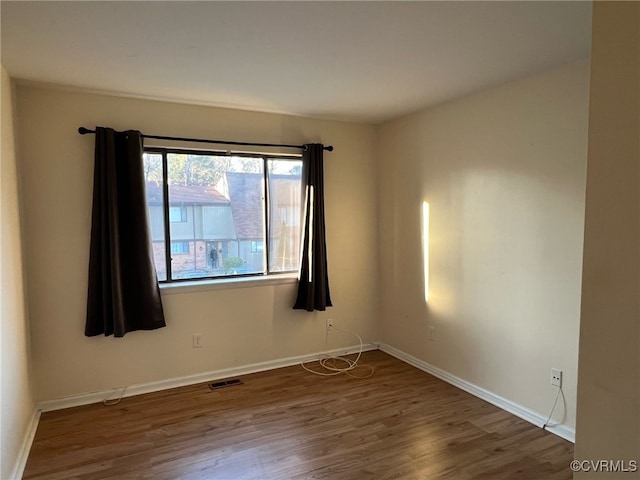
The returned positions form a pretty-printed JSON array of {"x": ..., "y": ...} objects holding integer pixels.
[{"x": 400, "y": 423}]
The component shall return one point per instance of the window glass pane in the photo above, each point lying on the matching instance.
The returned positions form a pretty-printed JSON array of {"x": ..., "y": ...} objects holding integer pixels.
[
  {"x": 220, "y": 203},
  {"x": 152, "y": 163},
  {"x": 285, "y": 213}
]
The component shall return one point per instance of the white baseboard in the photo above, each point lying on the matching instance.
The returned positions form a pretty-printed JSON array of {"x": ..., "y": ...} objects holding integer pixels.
[
  {"x": 139, "y": 389},
  {"x": 23, "y": 454},
  {"x": 564, "y": 431}
]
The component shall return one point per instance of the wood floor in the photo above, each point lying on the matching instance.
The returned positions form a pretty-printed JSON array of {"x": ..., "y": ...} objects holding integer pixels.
[{"x": 289, "y": 424}]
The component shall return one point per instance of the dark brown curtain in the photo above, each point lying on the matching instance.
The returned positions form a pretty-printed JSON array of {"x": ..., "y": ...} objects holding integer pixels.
[
  {"x": 123, "y": 291},
  {"x": 313, "y": 287}
]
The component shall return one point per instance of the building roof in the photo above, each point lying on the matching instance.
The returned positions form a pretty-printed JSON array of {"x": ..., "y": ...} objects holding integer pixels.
[{"x": 183, "y": 194}]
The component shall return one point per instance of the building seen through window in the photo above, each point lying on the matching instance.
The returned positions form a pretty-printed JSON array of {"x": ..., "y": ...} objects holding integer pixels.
[{"x": 225, "y": 215}]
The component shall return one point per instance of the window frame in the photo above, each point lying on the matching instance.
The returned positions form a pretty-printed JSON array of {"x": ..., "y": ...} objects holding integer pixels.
[{"x": 233, "y": 278}]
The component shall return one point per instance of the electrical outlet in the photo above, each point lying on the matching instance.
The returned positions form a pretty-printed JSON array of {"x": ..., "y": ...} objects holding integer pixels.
[
  {"x": 197, "y": 340},
  {"x": 556, "y": 377},
  {"x": 431, "y": 333},
  {"x": 329, "y": 323}
]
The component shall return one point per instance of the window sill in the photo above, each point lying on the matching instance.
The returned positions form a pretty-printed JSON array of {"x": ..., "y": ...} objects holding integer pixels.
[{"x": 226, "y": 283}]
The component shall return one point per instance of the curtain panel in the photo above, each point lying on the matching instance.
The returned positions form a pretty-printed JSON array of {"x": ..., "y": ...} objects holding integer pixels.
[
  {"x": 313, "y": 286},
  {"x": 123, "y": 292}
]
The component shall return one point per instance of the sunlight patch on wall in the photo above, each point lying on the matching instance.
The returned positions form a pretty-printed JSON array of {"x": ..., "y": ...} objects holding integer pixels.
[{"x": 425, "y": 248}]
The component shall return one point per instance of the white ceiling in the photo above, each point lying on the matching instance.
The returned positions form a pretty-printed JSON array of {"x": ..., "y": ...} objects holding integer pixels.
[{"x": 356, "y": 61}]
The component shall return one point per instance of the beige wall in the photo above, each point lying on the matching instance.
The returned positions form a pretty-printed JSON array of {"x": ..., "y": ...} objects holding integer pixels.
[
  {"x": 239, "y": 326},
  {"x": 504, "y": 174},
  {"x": 16, "y": 398},
  {"x": 609, "y": 383}
]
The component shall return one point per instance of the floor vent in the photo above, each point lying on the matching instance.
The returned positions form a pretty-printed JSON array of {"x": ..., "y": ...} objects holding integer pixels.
[{"x": 225, "y": 383}]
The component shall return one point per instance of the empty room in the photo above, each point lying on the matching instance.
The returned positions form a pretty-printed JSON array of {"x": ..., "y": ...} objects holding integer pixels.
[{"x": 340, "y": 240}]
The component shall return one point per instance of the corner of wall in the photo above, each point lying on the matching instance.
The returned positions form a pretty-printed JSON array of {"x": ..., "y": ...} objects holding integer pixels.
[{"x": 18, "y": 413}]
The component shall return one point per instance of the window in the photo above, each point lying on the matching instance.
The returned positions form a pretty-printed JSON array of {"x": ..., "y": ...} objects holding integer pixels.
[
  {"x": 179, "y": 247},
  {"x": 223, "y": 215},
  {"x": 177, "y": 214}
]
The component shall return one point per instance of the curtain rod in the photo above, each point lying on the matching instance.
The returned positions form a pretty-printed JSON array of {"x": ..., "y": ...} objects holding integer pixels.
[{"x": 329, "y": 148}]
